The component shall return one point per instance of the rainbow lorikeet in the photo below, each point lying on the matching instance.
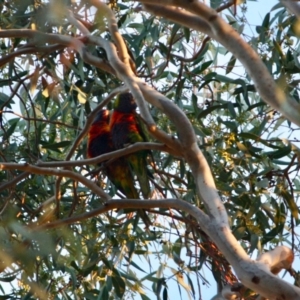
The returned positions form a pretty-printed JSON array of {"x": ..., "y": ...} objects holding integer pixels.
[
  {"x": 100, "y": 142},
  {"x": 126, "y": 128},
  {"x": 118, "y": 172}
]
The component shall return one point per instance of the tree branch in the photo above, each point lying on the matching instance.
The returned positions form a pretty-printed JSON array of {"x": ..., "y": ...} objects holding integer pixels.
[
  {"x": 14, "y": 181},
  {"x": 252, "y": 274},
  {"x": 230, "y": 39},
  {"x": 292, "y": 6},
  {"x": 257, "y": 273},
  {"x": 108, "y": 156},
  {"x": 134, "y": 85},
  {"x": 131, "y": 203},
  {"x": 59, "y": 173}
]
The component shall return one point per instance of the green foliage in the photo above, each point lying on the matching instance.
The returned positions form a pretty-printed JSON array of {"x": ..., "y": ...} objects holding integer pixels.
[{"x": 45, "y": 98}]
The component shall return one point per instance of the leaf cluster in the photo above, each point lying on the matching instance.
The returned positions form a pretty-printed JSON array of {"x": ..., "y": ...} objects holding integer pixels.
[{"x": 46, "y": 96}]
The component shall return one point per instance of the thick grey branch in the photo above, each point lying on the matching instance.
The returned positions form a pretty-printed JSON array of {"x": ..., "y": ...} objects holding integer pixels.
[
  {"x": 229, "y": 38},
  {"x": 292, "y": 6},
  {"x": 256, "y": 273}
]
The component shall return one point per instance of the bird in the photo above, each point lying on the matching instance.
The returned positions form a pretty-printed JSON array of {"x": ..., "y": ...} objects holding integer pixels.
[
  {"x": 126, "y": 128},
  {"x": 100, "y": 142},
  {"x": 117, "y": 171}
]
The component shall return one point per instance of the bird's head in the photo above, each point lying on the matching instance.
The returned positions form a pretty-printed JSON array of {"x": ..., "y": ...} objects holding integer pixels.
[
  {"x": 102, "y": 116},
  {"x": 125, "y": 103}
]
